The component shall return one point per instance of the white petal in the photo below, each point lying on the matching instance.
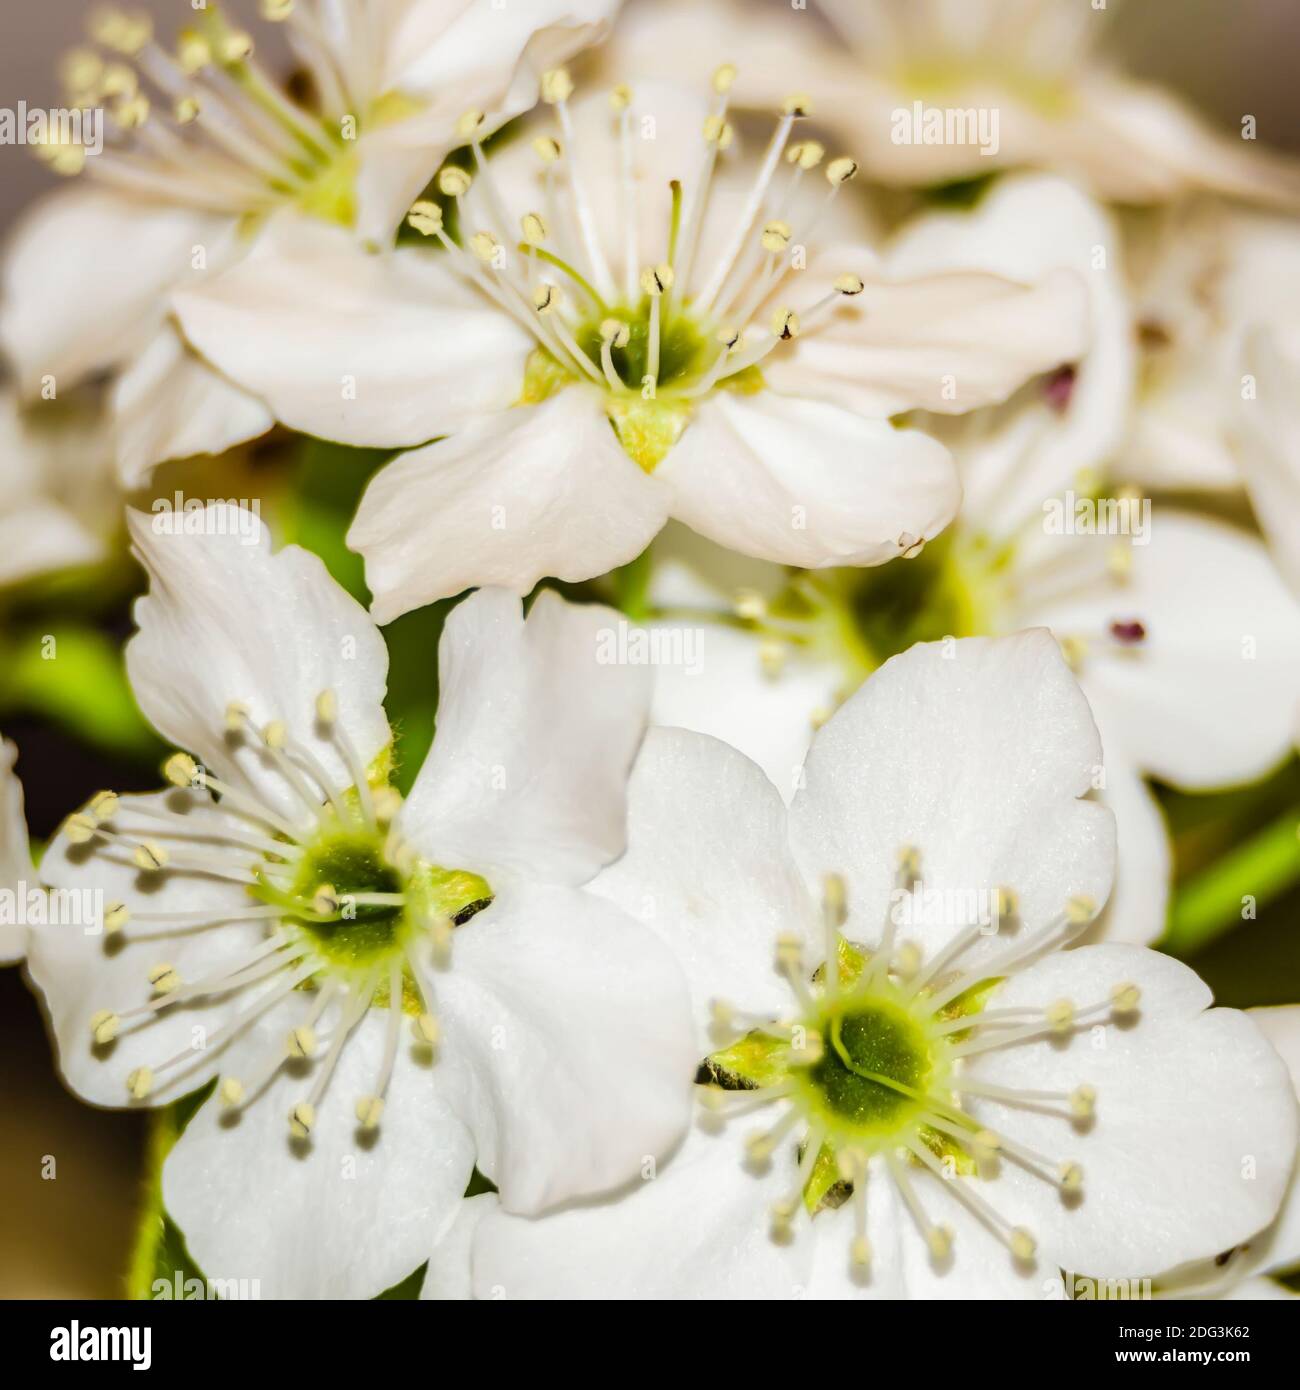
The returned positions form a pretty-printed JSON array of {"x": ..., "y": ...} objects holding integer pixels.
[
  {"x": 364, "y": 349},
  {"x": 346, "y": 1215},
  {"x": 572, "y": 1024},
  {"x": 16, "y": 873},
  {"x": 86, "y": 278},
  {"x": 448, "y": 1277},
  {"x": 228, "y": 620},
  {"x": 169, "y": 404},
  {"x": 1271, "y": 460},
  {"x": 973, "y": 753},
  {"x": 708, "y": 870},
  {"x": 802, "y": 482},
  {"x": 1219, "y": 622},
  {"x": 1278, "y": 1248},
  {"x": 39, "y": 537},
  {"x": 80, "y": 971},
  {"x": 527, "y": 775},
  {"x": 1194, "y": 1137},
  {"x": 529, "y": 492},
  {"x": 699, "y": 1229}
]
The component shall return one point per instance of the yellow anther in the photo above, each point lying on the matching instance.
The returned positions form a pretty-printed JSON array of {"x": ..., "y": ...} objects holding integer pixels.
[
  {"x": 236, "y": 47},
  {"x": 723, "y": 77},
  {"x": 470, "y": 122},
  {"x": 759, "y": 1146},
  {"x": 301, "y": 1042},
  {"x": 301, "y": 1119},
  {"x": 1083, "y": 1102},
  {"x": 65, "y": 160},
  {"x": 104, "y": 1026},
  {"x": 807, "y": 154},
  {"x": 907, "y": 959},
  {"x": 120, "y": 81},
  {"x": 387, "y": 802},
  {"x": 621, "y": 97},
  {"x": 426, "y": 1029},
  {"x": 140, "y": 1082},
  {"x": 939, "y": 1239},
  {"x": 81, "y": 69},
  {"x": 751, "y": 605},
  {"x": 1005, "y": 903},
  {"x": 150, "y": 856},
  {"x": 776, "y": 236},
  {"x": 327, "y": 704},
  {"x": 1023, "y": 1245},
  {"x": 986, "y": 1144},
  {"x": 275, "y": 734},
  {"x": 236, "y": 717},
  {"x": 534, "y": 229},
  {"x": 369, "y": 1111},
  {"x": 850, "y": 284},
  {"x": 615, "y": 332},
  {"x": 557, "y": 85},
  {"x": 164, "y": 978},
  {"x": 325, "y": 901},
  {"x": 860, "y": 1251},
  {"x": 547, "y": 149},
  {"x": 103, "y": 806},
  {"x": 276, "y": 10},
  {"x": 440, "y": 933},
  {"x": 123, "y": 33},
  {"x": 193, "y": 52},
  {"x": 835, "y": 900},
  {"x": 728, "y": 335},
  {"x": 1124, "y": 999},
  {"x": 231, "y": 1092},
  {"x": 425, "y": 217},
  {"x": 1060, "y": 1015},
  {"x": 545, "y": 297},
  {"x": 1074, "y": 650},
  {"x": 797, "y": 104},
  {"x": 718, "y": 131},
  {"x": 772, "y": 657},
  {"x": 132, "y": 112},
  {"x": 485, "y": 246},
  {"x": 1071, "y": 1177},
  {"x": 1080, "y": 908},
  {"x": 454, "y": 182},
  {"x": 116, "y": 916},
  {"x": 656, "y": 279},
  {"x": 841, "y": 170},
  {"x": 785, "y": 324},
  {"x": 909, "y": 864},
  {"x": 186, "y": 110},
  {"x": 784, "y": 1209},
  {"x": 851, "y": 1163},
  {"x": 181, "y": 770},
  {"x": 789, "y": 952}
]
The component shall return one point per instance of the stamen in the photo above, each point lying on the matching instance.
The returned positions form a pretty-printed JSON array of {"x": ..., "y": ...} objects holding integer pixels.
[
  {"x": 557, "y": 87},
  {"x": 938, "y": 1238}
]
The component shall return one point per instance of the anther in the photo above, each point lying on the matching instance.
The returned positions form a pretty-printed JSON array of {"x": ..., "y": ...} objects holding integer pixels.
[
  {"x": 798, "y": 104},
  {"x": 547, "y": 149},
  {"x": 860, "y": 1251},
  {"x": 728, "y": 335},
  {"x": 104, "y": 1026},
  {"x": 164, "y": 978},
  {"x": 469, "y": 123},
  {"x": 718, "y": 131},
  {"x": 301, "y": 1119},
  {"x": 776, "y": 236},
  {"x": 850, "y": 284},
  {"x": 369, "y": 1111},
  {"x": 231, "y": 1092},
  {"x": 840, "y": 171},
  {"x": 454, "y": 182},
  {"x": 131, "y": 112},
  {"x": 785, "y": 324},
  {"x": 236, "y": 717},
  {"x": 425, "y": 1028},
  {"x": 181, "y": 770},
  {"x": 807, "y": 154},
  {"x": 835, "y": 909},
  {"x": 275, "y": 735},
  {"x": 186, "y": 110},
  {"x": 1083, "y": 1102},
  {"x": 1080, "y": 909},
  {"x": 116, "y": 916},
  {"x": 193, "y": 52},
  {"x": 276, "y": 10},
  {"x": 750, "y": 605},
  {"x": 1022, "y": 1243},
  {"x": 426, "y": 218},
  {"x": 485, "y": 246},
  {"x": 150, "y": 856},
  {"x": 534, "y": 229},
  {"x": 545, "y": 297},
  {"x": 615, "y": 332},
  {"x": 325, "y": 901},
  {"x": 140, "y": 1082},
  {"x": 656, "y": 279},
  {"x": 1124, "y": 998},
  {"x": 939, "y": 1239},
  {"x": 557, "y": 86},
  {"x": 723, "y": 78},
  {"x": 237, "y": 47},
  {"x": 1060, "y": 1016},
  {"x": 620, "y": 98},
  {"x": 102, "y": 807},
  {"x": 1071, "y": 1177},
  {"x": 301, "y": 1042}
]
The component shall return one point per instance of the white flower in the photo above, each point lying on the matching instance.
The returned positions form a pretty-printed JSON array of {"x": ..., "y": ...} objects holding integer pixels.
[
  {"x": 652, "y": 346},
  {"x": 264, "y": 936},
  {"x": 16, "y": 873},
  {"x": 949, "y": 1103},
  {"x": 1034, "y": 76},
  {"x": 1184, "y": 639},
  {"x": 1269, "y": 431},
  {"x": 208, "y": 151}
]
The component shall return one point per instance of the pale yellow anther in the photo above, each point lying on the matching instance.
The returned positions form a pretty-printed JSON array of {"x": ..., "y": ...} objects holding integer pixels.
[
  {"x": 776, "y": 236},
  {"x": 723, "y": 77},
  {"x": 387, "y": 801},
  {"x": 657, "y": 279},
  {"x": 369, "y": 1111},
  {"x": 789, "y": 952},
  {"x": 103, "y": 806},
  {"x": 718, "y": 131},
  {"x": 327, "y": 707},
  {"x": 116, "y": 916},
  {"x": 181, "y": 770},
  {"x": 65, "y": 160},
  {"x": 620, "y": 98},
  {"x": 785, "y": 324},
  {"x": 150, "y": 856},
  {"x": 1060, "y": 1015},
  {"x": 468, "y": 124},
  {"x": 1071, "y": 1177},
  {"x": 986, "y": 1143},
  {"x": 164, "y": 978},
  {"x": 454, "y": 182},
  {"x": 140, "y": 1082},
  {"x": 545, "y": 297},
  {"x": 751, "y": 606},
  {"x": 728, "y": 335},
  {"x": 772, "y": 657},
  {"x": 301, "y": 1119},
  {"x": 119, "y": 80},
  {"x": 557, "y": 85},
  {"x": 186, "y": 110},
  {"x": 301, "y": 1042},
  {"x": 860, "y": 1251},
  {"x": 425, "y": 1028},
  {"x": 546, "y": 148},
  {"x": 1119, "y": 561},
  {"x": 1080, "y": 908},
  {"x": 534, "y": 229},
  {"x": 783, "y": 1210},
  {"x": 425, "y": 217},
  {"x": 1023, "y": 1245},
  {"x": 1124, "y": 998},
  {"x": 759, "y": 1146},
  {"x": 236, "y": 717},
  {"x": 132, "y": 112},
  {"x": 440, "y": 933},
  {"x": 850, "y": 284},
  {"x": 81, "y": 69},
  {"x": 193, "y": 52},
  {"x": 325, "y": 901},
  {"x": 797, "y": 104},
  {"x": 841, "y": 170},
  {"x": 236, "y": 47},
  {"x": 851, "y": 1163},
  {"x": 615, "y": 332},
  {"x": 485, "y": 246},
  {"x": 123, "y": 33},
  {"x": 1074, "y": 650},
  {"x": 907, "y": 959},
  {"x": 1083, "y": 1102},
  {"x": 807, "y": 154},
  {"x": 231, "y": 1092},
  {"x": 104, "y": 1026},
  {"x": 275, "y": 734},
  {"x": 909, "y": 864},
  {"x": 939, "y": 1239},
  {"x": 835, "y": 900},
  {"x": 276, "y": 10},
  {"x": 1005, "y": 903}
]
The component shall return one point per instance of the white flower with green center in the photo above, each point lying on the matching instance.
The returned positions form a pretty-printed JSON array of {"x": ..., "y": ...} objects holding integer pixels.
[
  {"x": 1001, "y": 84},
  {"x": 917, "y": 1087},
  {"x": 629, "y": 322},
  {"x": 387, "y": 991},
  {"x": 1143, "y": 619},
  {"x": 16, "y": 872},
  {"x": 207, "y": 151}
]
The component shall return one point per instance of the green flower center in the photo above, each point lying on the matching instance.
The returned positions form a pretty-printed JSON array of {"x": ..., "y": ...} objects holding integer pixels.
[{"x": 874, "y": 1066}]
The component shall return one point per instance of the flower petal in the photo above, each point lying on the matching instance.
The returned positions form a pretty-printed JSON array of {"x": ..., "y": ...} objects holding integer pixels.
[
  {"x": 555, "y": 1001},
  {"x": 227, "y": 620},
  {"x": 448, "y": 1277},
  {"x": 527, "y": 775},
  {"x": 16, "y": 872},
  {"x": 801, "y": 482},
  {"x": 1271, "y": 462},
  {"x": 534, "y": 491}
]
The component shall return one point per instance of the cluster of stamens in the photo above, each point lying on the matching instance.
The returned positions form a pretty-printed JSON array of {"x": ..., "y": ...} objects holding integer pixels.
[
  {"x": 347, "y": 943},
  {"x": 872, "y": 1068}
]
